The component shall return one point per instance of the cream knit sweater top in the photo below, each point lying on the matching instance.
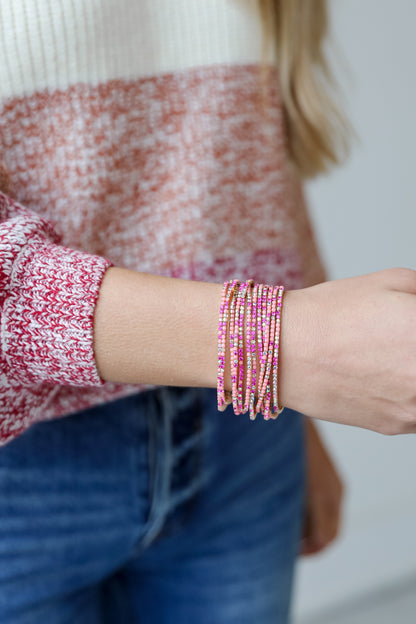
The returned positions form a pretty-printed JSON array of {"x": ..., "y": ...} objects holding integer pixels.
[{"x": 136, "y": 134}]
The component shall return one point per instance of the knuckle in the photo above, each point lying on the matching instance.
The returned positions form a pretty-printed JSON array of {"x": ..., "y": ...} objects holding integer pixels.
[
  {"x": 390, "y": 428},
  {"x": 404, "y": 422},
  {"x": 404, "y": 277},
  {"x": 408, "y": 421}
]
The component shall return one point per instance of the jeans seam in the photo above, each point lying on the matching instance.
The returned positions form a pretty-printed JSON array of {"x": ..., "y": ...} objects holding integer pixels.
[{"x": 160, "y": 461}]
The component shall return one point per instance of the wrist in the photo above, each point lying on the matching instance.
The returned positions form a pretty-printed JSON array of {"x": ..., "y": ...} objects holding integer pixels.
[{"x": 300, "y": 350}]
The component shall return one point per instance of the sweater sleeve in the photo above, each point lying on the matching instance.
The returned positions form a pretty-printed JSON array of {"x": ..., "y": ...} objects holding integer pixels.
[{"x": 48, "y": 294}]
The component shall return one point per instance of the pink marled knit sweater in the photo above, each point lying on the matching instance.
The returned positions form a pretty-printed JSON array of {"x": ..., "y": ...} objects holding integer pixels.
[{"x": 135, "y": 134}]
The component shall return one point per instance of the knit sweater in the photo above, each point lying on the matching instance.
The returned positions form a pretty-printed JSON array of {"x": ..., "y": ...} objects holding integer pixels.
[{"x": 143, "y": 135}]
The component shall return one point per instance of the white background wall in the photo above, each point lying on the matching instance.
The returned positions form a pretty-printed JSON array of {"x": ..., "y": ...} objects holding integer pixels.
[{"x": 365, "y": 218}]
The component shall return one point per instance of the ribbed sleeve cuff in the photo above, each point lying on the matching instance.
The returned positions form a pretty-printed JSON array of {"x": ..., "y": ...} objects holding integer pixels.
[{"x": 48, "y": 315}]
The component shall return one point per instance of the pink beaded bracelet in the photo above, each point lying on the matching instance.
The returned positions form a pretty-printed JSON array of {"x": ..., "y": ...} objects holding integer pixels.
[
  {"x": 233, "y": 344},
  {"x": 224, "y": 398},
  {"x": 253, "y": 351},
  {"x": 277, "y": 409},
  {"x": 249, "y": 353},
  {"x": 257, "y": 308}
]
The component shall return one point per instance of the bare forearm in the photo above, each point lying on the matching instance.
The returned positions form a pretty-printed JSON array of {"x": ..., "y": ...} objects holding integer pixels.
[
  {"x": 157, "y": 330},
  {"x": 334, "y": 361}
]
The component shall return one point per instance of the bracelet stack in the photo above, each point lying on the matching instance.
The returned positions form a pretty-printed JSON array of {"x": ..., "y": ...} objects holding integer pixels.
[{"x": 257, "y": 308}]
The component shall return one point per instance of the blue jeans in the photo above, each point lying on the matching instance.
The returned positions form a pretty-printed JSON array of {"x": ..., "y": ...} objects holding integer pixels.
[{"x": 153, "y": 509}]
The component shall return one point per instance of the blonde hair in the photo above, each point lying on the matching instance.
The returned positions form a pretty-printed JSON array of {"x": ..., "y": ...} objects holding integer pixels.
[{"x": 317, "y": 132}]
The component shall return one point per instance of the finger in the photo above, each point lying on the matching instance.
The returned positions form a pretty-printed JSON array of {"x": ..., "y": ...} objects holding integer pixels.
[
  {"x": 308, "y": 547},
  {"x": 311, "y": 543},
  {"x": 335, "y": 515},
  {"x": 324, "y": 523}
]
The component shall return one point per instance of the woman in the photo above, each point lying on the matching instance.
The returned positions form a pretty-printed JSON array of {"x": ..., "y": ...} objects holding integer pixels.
[{"x": 142, "y": 143}]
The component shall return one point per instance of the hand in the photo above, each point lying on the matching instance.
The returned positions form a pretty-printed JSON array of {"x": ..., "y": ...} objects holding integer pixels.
[
  {"x": 324, "y": 494},
  {"x": 348, "y": 351}
]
